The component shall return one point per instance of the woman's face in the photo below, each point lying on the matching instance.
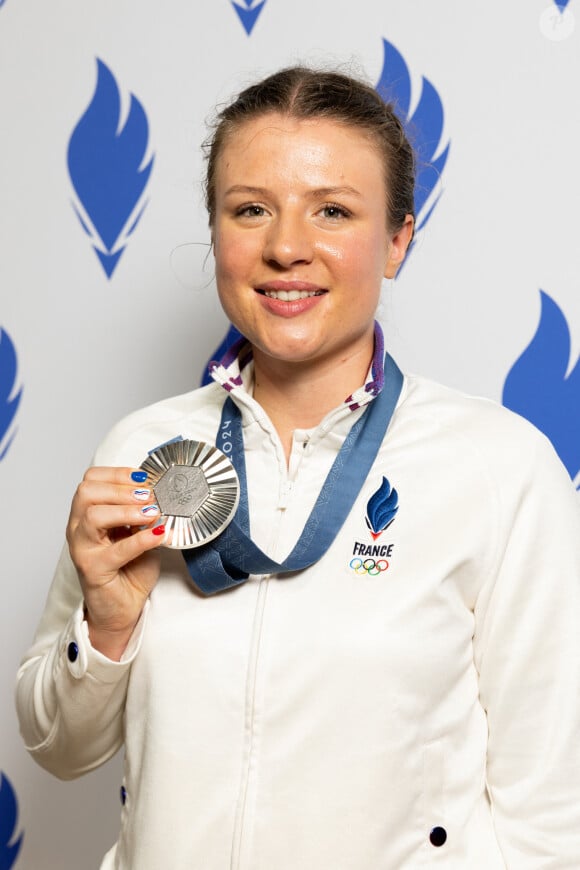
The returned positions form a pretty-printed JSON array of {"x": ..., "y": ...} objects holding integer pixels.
[{"x": 300, "y": 237}]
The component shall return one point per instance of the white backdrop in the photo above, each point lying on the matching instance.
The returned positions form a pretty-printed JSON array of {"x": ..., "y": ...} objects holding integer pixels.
[{"x": 90, "y": 348}]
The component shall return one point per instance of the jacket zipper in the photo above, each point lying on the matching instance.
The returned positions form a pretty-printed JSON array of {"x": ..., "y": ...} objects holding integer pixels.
[
  {"x": 250, "y": 747},
  {"x": 250, "y": 704}
]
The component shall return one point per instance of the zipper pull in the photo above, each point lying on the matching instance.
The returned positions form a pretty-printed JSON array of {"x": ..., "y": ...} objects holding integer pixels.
[{"x": 285, "y": 490}]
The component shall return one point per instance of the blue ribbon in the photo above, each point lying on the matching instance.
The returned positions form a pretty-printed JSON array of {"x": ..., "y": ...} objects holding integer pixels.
[{"x": 232, "y": 557}]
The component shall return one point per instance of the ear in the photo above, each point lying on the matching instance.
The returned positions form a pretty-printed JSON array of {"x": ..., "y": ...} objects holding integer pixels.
[{"x": 398, "y": 247}]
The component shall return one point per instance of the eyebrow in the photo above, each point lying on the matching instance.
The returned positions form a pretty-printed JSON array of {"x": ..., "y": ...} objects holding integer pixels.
[{"x": 313, "y": 194}]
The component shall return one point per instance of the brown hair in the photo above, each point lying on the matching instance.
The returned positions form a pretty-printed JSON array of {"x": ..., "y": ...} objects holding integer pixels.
[{"x": 304, "y": 93}]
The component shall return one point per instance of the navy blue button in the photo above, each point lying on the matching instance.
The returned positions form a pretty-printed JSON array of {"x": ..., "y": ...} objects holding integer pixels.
[
  {"x": 123, "y": 795},
  {"x": 72, "y": 651},
  {"x": 438, "y": 836}
]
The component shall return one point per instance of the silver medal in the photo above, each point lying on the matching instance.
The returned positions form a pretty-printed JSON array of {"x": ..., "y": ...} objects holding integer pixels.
[{"x": 197, "y": 490}]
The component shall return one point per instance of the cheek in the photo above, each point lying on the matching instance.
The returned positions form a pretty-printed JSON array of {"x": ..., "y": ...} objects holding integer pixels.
[
  {"x": 361, "y": 259},
  {"x": 234, "y": 255},
  {"x": 234, "y": 275},
  {"x": 333, "y": 251},
  {"x": 373, "y": 254},
  {"x": 223, "y": 253}
]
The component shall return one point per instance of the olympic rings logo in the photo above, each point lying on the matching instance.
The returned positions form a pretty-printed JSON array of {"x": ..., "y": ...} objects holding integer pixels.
[{"x": 369, "y": 566}]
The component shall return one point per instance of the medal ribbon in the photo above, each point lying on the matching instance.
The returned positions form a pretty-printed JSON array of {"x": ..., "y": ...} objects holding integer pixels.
[{"x": 232, "y": 556}]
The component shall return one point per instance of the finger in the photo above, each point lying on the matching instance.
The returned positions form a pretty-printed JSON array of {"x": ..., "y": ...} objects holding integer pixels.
[
  {"x": 92, "y": 492},
  {"x": 124, "y": 551},
  {"x": 116, "y": 474},
  {"x": 101, "y": 518},
  {"x": 97, "y": 521}
]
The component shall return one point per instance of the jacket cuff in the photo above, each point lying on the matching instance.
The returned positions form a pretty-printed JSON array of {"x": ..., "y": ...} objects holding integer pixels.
[{"x": 81, "y": 658}]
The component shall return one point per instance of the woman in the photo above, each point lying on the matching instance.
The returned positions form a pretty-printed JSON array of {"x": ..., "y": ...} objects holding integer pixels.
[{"x": 408, "y": 695}]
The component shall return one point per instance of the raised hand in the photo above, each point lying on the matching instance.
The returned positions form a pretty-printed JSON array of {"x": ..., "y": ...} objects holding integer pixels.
[{"x": 112, "y": 540}]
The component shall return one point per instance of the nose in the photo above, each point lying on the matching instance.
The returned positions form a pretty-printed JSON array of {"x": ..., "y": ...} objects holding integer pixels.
[{"x": 288, "y": 241}]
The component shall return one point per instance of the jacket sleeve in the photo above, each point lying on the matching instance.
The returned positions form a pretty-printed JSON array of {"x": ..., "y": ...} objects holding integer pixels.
[
  {"x": 70, "y": 699},
  {"x": 527, "y": 651}
]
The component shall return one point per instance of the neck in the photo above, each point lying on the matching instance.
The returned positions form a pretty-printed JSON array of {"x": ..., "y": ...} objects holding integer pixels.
[{"x": 300, "y": 395}]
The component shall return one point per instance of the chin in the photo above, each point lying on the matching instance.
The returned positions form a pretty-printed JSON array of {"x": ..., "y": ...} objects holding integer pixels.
[
  {"x": 299, "y": 352},
  {"x": 295, "y": 353},
  {"x": 285, "y": 344}
]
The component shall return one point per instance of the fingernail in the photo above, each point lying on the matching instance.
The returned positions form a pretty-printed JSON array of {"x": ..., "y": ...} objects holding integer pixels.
[
  {"x": 150, "y": 509},
  {"x": 141, "y": 494},
  {"x": 158, "y": 530},
  {"x": 139, "y": 476}
]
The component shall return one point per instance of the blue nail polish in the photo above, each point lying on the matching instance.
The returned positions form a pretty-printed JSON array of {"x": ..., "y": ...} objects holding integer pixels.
[{"x": 139, "y": 476}]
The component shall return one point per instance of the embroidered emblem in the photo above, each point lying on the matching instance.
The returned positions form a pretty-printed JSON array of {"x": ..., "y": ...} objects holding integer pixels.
[
  {"x": 371, "y": 567},
  {"x": 375, "y": 558},
  {"x": 382, "y": 507}
]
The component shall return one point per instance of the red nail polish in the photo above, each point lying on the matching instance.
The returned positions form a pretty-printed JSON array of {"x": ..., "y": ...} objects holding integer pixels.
[{"x": 158, "y": 530}]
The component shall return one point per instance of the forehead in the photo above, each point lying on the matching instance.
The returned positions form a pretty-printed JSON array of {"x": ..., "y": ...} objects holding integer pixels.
[{"x": 277, "y": 144}]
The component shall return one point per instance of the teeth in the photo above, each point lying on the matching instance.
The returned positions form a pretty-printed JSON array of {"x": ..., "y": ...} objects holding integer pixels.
[{"x": 291, "y": 295}]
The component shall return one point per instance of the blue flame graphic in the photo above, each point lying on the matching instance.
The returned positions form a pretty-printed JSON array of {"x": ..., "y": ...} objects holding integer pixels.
[
  {"x": 9, "y": 400},
  {"x": 381, "y": 508},
  {"x": 561, "y": 4},
  {"x": 539, "y": 388},
  {"x": 8, "y": 821},
  {"x": 248, "y": 15},
  {"x": 105, "y": 166},
  {"x": 424, "y": 127}
]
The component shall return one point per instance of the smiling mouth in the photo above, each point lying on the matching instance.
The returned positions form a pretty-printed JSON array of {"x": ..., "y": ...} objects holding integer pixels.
[{"x": 291, "y": 295}]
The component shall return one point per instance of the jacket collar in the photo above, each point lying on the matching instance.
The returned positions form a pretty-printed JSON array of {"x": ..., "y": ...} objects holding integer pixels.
[{"x": 235, "y": 374}]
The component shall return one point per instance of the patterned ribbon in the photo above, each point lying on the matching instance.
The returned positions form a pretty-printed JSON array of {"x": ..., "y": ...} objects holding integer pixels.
[{"x": 232, "y": 557}]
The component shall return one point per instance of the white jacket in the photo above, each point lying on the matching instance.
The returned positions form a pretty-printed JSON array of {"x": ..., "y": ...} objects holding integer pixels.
[{"x": 331, "y": 719}]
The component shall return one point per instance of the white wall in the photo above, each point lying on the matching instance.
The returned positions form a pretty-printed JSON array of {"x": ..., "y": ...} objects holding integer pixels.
[{"x": 91, "y": 349}]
